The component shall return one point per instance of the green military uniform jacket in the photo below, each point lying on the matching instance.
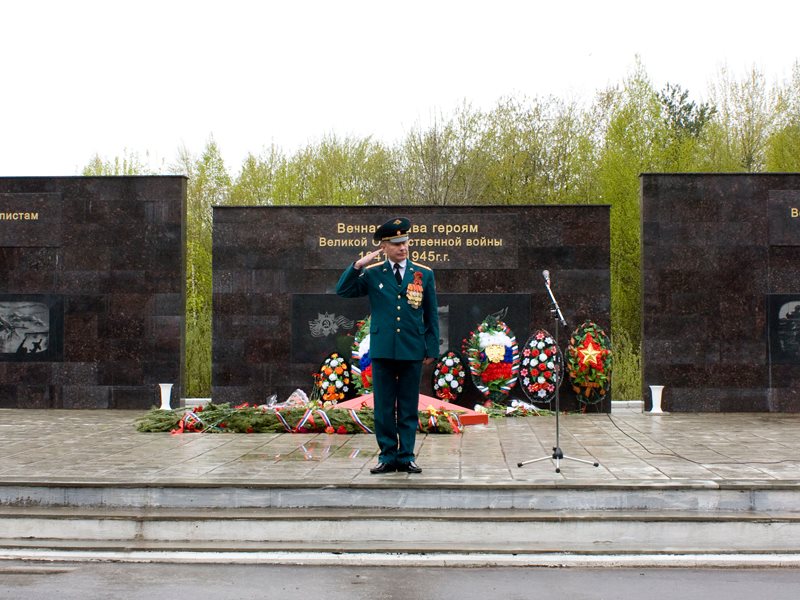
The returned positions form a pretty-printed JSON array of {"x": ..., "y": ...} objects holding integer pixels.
[{"x": 398, "y": 330}]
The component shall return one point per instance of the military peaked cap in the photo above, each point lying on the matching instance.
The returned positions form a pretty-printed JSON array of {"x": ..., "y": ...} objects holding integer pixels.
[{"x": 394, "y": 231}]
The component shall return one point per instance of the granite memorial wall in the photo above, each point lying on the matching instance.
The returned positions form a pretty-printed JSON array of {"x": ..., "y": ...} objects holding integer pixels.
[
  {"x": 721, "y": 291},
  {"x": 91, "y": 291},
  {"x": 276, "y": 314}
]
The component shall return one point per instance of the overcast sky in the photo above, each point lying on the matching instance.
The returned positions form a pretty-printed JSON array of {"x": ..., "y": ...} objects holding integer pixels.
[{"x": 83, "y": 77}]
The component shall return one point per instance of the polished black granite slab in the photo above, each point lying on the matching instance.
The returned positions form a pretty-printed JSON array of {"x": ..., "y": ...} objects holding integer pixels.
[
  {"x": 275, "y": 271},
  {"x": 106, "y": 256},
  {"x": 716, "y": 249}
]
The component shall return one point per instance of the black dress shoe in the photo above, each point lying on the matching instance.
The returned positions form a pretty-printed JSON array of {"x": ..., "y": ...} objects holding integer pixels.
[
  {"x": 411, "y": 467},
  {"x": 383, "y": 468}
]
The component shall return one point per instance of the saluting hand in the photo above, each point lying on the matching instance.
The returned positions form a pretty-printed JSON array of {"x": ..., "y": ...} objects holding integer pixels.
[{"x": 366, "y": 259}]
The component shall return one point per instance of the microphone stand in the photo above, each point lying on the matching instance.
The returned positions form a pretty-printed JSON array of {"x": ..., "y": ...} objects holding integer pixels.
[{"x": 557, "y": 455}]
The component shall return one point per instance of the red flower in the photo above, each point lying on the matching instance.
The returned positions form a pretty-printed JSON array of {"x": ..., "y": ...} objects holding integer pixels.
[
  {"x": 496, "y": 371},
  {"x": 249, "y": 430},
  {"x": 330, "y": 430},
  {"x": 342, "y": 430},
  {"x": 366, "y": 376},
  {"x": 445, "y": 394}
]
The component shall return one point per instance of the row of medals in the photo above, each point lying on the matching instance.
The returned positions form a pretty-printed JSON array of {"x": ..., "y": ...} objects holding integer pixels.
[{"x": 414, "y": 295}]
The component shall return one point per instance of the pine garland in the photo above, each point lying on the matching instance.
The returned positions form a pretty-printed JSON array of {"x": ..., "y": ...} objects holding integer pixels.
[{"x": 223, "y": 418}]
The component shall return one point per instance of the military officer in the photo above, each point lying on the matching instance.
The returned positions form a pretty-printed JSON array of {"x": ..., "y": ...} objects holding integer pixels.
[{"x": 404, "y": 333}]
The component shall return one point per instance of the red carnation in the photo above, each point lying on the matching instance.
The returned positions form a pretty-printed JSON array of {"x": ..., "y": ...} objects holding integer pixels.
[{"x": 496, "y": 371}]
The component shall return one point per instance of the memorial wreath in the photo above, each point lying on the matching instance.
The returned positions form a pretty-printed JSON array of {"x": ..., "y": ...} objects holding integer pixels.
[
  {"x": 493, "y": 358},
  {"x": 589, "y": 362},
  {"x": 332, "y": 382},
  {"x": 448, "y": 377},
  {"x": 540, "y": 370},
  {"x": 362, "y": 364}
]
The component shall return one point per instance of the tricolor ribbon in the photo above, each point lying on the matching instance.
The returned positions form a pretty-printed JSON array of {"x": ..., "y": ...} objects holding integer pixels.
[
  {"x": 322, "y": 415},
  {"x": 357, "y": 421},
  {"x": 283, "y": 421},
  {"x": 306, "y": 417}
]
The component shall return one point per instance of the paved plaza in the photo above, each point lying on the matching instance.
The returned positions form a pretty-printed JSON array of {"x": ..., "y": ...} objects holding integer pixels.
[{"x": 41, "y": 446}]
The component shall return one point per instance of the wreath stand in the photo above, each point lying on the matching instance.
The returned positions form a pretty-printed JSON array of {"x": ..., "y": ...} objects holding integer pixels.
[{"x": 557, "y": 455}]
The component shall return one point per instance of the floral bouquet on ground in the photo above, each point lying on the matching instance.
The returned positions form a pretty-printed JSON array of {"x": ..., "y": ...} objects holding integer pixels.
[
  {"x": 332, "y": 382},
  {"x": 493, "y": 358},
  {"x": 517, "y": 408},
  {"x": 448, "y": 377},
  {"x": 589, "y": 363},
  {"x": 541, "y": 367},
  {"x": 362, "y": 364}
]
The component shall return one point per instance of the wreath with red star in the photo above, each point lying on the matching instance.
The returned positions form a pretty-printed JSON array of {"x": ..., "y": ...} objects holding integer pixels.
[{"x": 589, "y": 363}]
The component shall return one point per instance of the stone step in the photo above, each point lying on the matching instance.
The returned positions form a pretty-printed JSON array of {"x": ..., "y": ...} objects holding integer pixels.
[
  {"x": 402, "y": 531},
  {"x": 698, "y": 496}
]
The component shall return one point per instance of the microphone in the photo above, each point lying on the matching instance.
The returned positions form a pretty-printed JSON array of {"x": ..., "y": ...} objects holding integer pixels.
[{"x": 546, "y": 275}]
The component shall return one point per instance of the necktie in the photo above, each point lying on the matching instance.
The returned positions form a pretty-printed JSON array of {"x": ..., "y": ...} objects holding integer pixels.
[{"x": 397, "y": 273}]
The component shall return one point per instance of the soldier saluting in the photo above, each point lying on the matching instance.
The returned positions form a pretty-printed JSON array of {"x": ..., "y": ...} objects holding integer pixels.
[{"x": 404, "y": 333}]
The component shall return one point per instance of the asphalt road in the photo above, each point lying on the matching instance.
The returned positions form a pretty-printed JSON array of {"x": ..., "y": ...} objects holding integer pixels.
[{"x": 125, "y": 581}]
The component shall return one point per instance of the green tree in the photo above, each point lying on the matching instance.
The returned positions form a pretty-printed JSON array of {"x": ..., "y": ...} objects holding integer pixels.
[
  {"x": 744, "y": 117},
  {"x": 443, "y": 164},
  {"x": 209, "y": 185},
  {"x": 783, "y": 145},
  {"x": 686, "y": 123},
  {"x": 128, "y": 164},
  {"x": 632, "y": 145}
]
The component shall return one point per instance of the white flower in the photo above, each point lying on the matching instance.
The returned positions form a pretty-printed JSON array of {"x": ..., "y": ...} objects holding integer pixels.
[
  {"x": 448, "y": 377},
  {"x": 497, "y": 338},
  {"x": 540, "y": 345},
  {"x": 549, "y": 340},
  {"x": 345, "y": 389},
  {"x": 551, "y": 365},
  {"x": 441, "y": 382},
  {"x": 332, "y": 376},
  {"x": 454, "y": 384},
  {"x": 541, "y": 380},
  {"x": 339, "y": 384},
  {"x": 542, "y": 393},
  {"x": 363, "y": 347},
  {"x": 526, "y": 381},
  {"x": 542, "y": 357},
  {"x": 449, "y": 362}
]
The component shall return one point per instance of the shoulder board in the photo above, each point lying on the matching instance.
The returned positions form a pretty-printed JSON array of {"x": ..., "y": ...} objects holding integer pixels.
[
  {"x": 373, "y": 265},
  {"x": 421, "y": 266}
]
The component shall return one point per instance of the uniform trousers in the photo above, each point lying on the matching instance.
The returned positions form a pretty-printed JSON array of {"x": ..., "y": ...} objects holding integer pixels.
[{"x": 396, "y": 398}]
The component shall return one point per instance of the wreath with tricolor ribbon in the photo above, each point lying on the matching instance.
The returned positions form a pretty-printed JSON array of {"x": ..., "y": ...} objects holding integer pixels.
[
  {"x": 361, "y": 362},
  {"x": 493, "y": 358}
]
